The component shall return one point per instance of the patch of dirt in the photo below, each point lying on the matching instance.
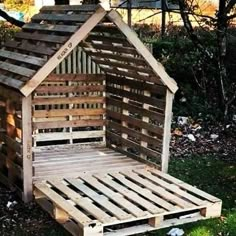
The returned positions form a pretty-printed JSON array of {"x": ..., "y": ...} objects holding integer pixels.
[{"x": 197, "y": 137}]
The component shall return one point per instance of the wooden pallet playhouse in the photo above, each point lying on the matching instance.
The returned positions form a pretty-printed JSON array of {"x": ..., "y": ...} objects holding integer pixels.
[{"x": 91, "y": 148}]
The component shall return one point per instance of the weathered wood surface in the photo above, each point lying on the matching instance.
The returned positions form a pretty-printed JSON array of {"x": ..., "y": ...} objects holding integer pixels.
[
  {"x": 107, "y": 198},
  {"x": 69, "y": 108}
]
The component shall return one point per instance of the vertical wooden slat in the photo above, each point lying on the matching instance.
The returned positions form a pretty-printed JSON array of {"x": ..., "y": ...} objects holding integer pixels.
[
  {"x": 167, "y": 131},
  {"x": 27, "y": 147},
  {"x": 145, "y": 119}
]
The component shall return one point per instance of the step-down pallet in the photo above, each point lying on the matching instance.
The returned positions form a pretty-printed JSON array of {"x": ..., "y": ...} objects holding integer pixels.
[{"x": 124, "y": 202}]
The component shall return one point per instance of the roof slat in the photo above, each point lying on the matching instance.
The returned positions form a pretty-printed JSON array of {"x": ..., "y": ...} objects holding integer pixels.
[
  {"x": 41, "y": 37},
  {"x": 133, "y": 68},
  {"x": 108, "y": 40},
  {"x": 112, "y": 48},
  {"x": 61, "y": 17},
  {"x": 43, "y": 50},
  {"x": 76, "y": 8},
  {"x": 22, "y": 57},
  {"x": 51, "y": 27},
  {"x": 11, "y": 82},
  {"x": 118, "y": 57},
  {"x": 16, "y": 69}
]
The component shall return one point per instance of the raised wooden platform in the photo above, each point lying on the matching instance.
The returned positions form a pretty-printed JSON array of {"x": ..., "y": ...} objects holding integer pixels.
[
  {"x": 69, "y": 161},
  {"x": 123, "y": 202}
]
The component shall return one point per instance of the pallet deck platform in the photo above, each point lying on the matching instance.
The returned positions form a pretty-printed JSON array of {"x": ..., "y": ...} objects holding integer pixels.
[{"x": 123, "y": 202}]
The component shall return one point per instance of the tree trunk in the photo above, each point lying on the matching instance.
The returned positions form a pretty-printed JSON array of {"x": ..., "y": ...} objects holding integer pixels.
[{"x": 222, "y": 25}]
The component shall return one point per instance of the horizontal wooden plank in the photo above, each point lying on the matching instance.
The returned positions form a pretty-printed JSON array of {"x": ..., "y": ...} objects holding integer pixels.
[
  {"x": 136, "y": 109},
  {"x": 135, "y": 134},
  {"x": 108, "y": 40},
  {"x": 19, "y": 70},
  {"x": 75, "y": 77},
  {"x": 134, "y": 68},
  {"x": 27, "y": 47},
  {"x": 22, "y": 57},
  {"x": 74, "y": 164},
  {"x": 75, "y": 8},
  {"x": 147, "y": 151},
  {"x": 69, "y": 123},
  {"x": 67, "y": 157},
  {"x": 55, "y": 17},
  {"x": 117, "y": 57},
  {"x": 160, "y": 103},
  {"x": 136, "y": 84},
  {"x": 11, "y": 82},
  {"x": 136, "y": 122},
  {"x": 41, "y": 37},
  {"x": 70, "y": 89},
  {"x": 131, "y": 74},
  {"x": 47, "y": 153},
  {"x": 68, "y": 112},
  {"x": 110, "y": 48},
  {"x": 68, "y": 100},
  {"x": 66, "y": 136},
  {"x": 50, "y": 28}
]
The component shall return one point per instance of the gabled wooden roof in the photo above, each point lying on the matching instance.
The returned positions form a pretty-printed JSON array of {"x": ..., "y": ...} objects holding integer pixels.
[{"x": 53, "y": 33}]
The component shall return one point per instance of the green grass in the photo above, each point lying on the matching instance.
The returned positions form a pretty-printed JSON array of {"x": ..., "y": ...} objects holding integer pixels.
[{"x": 216, "y": 177}]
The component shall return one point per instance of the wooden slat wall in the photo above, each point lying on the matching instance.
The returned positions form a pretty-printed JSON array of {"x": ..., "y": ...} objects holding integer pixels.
[
  {"x": 78, "y": 62},
  {"x": 135, "y": 117},
  {"x": 10, "y": 139},
  {"x": 69, "y": 109}
]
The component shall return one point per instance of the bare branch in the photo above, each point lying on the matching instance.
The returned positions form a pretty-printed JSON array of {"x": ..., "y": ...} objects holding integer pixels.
[{"x": 11, "y": 20}]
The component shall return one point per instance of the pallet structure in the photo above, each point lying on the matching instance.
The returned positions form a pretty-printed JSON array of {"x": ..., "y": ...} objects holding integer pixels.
[{"x": 90, "y": 141}]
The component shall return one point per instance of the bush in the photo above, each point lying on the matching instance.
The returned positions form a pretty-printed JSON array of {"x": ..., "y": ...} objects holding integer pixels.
[
  {"x": 6, "y": 31},
  {"x": 195, "y": 72}
]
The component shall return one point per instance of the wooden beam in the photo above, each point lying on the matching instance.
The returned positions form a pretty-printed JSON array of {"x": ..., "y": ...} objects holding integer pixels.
[
  {"x": 64, "y": 51},
  {"x": 136, "y": 42},
  {"x": 27, "y": 148},
  {"x": 167, "y": 131}
]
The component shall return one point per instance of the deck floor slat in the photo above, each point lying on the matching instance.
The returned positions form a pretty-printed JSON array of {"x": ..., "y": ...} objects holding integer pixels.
[
  {"x": 114, "y": 196},
  {"x": 159, "y": 190},
  {"x": 131, "y": 195},
  {"x": 83, "y": 202},
  {"x": 169, "y": 187},
  {"x": 100, "y": 199}
]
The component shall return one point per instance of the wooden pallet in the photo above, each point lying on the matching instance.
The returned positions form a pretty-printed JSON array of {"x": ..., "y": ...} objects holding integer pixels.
[{"x": 124, "y": 202}]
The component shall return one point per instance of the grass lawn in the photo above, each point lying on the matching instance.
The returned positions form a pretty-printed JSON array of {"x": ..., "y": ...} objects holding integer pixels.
[{"x": 216, "y": 177}]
